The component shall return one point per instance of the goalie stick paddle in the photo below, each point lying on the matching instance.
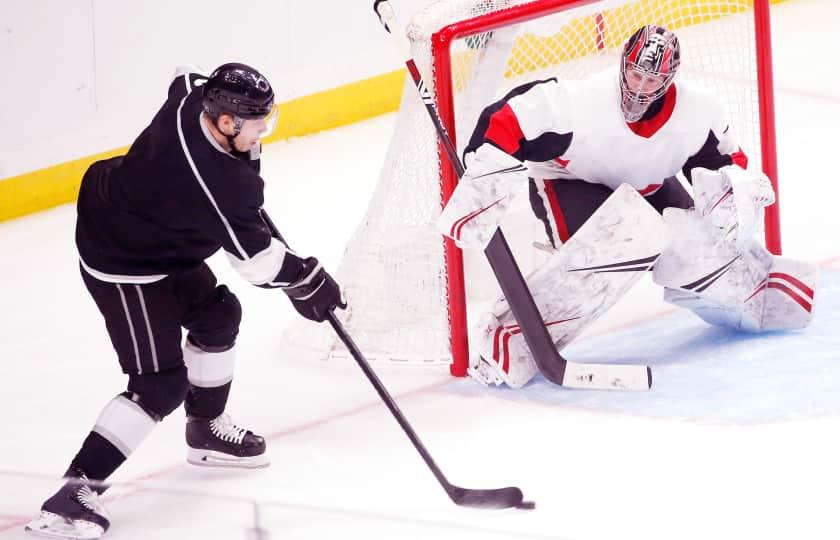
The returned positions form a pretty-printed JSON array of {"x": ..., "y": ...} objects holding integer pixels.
[
  {"x": 551, "y": 364},
  {"x": 507, "y": 497}
]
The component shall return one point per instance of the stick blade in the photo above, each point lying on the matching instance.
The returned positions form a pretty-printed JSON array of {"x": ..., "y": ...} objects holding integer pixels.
[
  {"x": 607, "y": 376},
  {"x": 508, "y": 497}
]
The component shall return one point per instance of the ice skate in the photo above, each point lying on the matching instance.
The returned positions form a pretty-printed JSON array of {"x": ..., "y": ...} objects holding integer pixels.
[
  {"x": 218, "y": 442},
  {"x": 73, "y": 512}
]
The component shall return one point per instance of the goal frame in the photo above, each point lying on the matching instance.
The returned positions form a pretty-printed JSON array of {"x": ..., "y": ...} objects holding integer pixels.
[{"x": 442, "y": 68}]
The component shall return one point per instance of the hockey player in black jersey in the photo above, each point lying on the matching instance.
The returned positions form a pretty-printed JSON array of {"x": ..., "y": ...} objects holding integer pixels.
[{"x": 188, "y": 186}]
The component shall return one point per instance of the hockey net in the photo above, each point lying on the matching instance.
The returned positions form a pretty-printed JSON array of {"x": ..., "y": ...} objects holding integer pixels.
[{"x": 404, "y": 284}]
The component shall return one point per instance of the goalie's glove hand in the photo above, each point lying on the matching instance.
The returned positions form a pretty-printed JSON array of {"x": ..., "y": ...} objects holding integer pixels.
[{"x": 316, "y": 293}]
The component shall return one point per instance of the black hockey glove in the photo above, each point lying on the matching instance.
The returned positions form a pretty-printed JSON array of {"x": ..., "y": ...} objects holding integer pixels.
[{"x": 316, "y": 293}]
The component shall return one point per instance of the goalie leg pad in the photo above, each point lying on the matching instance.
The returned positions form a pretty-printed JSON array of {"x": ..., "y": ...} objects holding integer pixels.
[
  {"x": 745, "y": 288},
  {"x": 579, "y": 282},
  {"x": 788, "y": 295}
]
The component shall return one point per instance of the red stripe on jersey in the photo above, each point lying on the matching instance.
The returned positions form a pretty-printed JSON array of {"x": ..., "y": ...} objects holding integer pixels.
[
  {"x": 647, "y": 128},
  {"x": 504, "y": 130},
  {"x": 649, "y": 189},
  {"x": 556, "y": 212},
  {"x": 739, "y": 158}
]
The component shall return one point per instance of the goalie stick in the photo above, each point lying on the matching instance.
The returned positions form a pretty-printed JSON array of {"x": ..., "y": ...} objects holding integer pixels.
[
  {"x": 507, "y": 497},
  {"x": 552, "y": 365}
]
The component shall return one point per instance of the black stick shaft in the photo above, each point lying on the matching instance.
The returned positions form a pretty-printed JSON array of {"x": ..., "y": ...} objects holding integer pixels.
[
  {"x": 389, "y": 401},
  {"x": 374, "y": 379}
]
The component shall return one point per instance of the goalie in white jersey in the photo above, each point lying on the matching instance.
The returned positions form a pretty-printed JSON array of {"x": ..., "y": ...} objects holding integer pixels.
[{"x": 601, "y": 156}]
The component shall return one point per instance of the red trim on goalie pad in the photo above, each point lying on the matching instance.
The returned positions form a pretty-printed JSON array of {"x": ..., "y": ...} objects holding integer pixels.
[
  {"x": 739, "y": 158},
  {"x": 455, "y": 231},
  {"x": 729, "y": 193},
  {"x": 647, "y": 128},
  {"x": 787, "y": 277},
  {"x": 504, "y": 130},
  {"x": 503, "y": 343},
  {"x": 556, "y": 212},
  {"x": 807, "y": 304},
  {"x": 796, "y": 298}
]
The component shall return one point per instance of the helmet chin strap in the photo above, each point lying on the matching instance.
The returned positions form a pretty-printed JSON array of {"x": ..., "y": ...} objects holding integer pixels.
[{"x": 237, "y": 127}]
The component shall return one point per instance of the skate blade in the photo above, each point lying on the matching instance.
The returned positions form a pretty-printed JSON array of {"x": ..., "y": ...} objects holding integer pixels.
[
  {"x": 210, "y": 458},
  {"x": 49, "y": 525}
]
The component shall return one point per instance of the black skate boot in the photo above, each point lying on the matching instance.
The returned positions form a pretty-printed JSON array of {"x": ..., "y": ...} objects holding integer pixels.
[
  {"x": 73, "y": 512},
  {"x": 218, "y": 442}
]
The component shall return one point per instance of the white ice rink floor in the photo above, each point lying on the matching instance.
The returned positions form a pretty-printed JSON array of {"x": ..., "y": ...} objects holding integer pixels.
[{"x": 738, "y": 439}]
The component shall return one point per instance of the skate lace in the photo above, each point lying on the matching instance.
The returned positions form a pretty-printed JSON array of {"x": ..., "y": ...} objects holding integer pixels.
[
  {"x": 224, "y": 428},
  {"x": 89, "y": 498}
]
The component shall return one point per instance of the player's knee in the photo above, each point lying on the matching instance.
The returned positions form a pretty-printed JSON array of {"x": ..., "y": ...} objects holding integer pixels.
[
  {"x": 215, "y": 325},
  {"x": 159, "y": 393}
]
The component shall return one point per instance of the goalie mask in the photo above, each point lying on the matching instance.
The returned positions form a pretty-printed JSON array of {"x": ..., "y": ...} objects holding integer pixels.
[
  {"x": 242, "y": 92},
  {"x": 649, "y": 64}
]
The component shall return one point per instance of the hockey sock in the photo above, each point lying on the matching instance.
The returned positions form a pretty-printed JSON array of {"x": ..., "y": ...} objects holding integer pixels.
[
  {"x": 97, "y": 459},
  {"x": 210, "y": 374}
]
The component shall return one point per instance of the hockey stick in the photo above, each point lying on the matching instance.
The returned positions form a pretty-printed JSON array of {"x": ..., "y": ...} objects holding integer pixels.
[
  {"x": 552, "y": 365},
  {"x": 508, "y": 497}
]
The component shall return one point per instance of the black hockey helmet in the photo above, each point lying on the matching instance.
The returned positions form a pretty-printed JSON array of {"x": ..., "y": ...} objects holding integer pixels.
[{"x": 239, "y": 90}]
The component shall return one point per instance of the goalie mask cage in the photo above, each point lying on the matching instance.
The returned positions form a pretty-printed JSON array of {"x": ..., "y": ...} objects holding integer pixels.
[{"x": 403, "y": 282}]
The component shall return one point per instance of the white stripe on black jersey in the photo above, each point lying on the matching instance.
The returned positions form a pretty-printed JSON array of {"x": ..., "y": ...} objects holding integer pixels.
[{"x": 174, "y": 199}]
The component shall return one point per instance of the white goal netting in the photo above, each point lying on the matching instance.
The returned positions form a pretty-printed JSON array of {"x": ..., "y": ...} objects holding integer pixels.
[{"x": 394, "y": 272}]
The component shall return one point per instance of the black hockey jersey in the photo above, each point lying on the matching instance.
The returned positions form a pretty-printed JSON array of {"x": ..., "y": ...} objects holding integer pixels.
[{"x": 174, "y": 199}]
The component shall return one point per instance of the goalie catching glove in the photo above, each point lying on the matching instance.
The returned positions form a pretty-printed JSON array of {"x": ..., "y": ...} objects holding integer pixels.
[
  {"x": 316, "y": 293},
  {"x": 482, "y": 197},
  {"x": 732, "y": 200}
]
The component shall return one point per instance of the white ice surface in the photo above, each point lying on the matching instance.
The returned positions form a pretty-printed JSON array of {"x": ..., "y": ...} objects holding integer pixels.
[{"x": 738, "y": 438}]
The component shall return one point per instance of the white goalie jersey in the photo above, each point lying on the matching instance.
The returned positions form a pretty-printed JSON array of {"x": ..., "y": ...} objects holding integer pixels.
[{"x": 575, "y": 129}]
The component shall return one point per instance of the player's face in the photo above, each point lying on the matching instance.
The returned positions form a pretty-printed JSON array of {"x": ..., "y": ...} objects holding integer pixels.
[
  {"x": 255, "y": 129},
  {"x": 644, "y": 82},
  {"x": 250, "y": 134}
]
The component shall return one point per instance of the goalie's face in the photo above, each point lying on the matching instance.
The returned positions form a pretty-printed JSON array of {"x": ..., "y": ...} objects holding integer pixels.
[{"x": 639, "y": 89}]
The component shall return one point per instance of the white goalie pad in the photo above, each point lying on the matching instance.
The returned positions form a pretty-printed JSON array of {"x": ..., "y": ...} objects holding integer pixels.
[
  {"x": 482, "y": 197},
  {"x": 578, "y": 283},
  {"x": 733, "y": 284}
]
